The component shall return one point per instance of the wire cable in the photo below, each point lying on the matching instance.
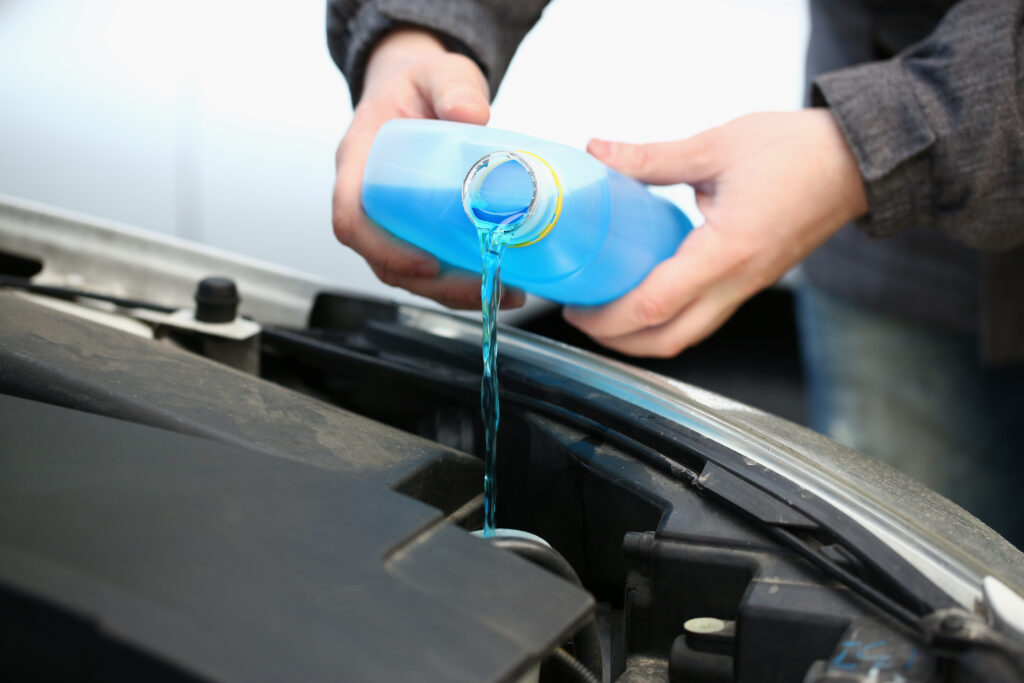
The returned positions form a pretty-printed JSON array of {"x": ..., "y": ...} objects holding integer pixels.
[{"x": 573, "y": 667}]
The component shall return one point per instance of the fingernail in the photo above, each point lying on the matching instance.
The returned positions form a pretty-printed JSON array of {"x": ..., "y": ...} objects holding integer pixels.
[{"x": 599, "y": 148}]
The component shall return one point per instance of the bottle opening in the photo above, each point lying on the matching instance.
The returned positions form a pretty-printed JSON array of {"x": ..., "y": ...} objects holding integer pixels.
[{"x": 500, "y": 191}]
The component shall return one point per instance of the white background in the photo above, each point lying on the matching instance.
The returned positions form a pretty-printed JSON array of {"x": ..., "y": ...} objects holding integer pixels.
[{"x": 217, "y": 120}]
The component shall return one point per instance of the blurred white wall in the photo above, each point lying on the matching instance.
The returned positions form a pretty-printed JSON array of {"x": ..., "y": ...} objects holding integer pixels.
[{"x": 217, "y": 120}]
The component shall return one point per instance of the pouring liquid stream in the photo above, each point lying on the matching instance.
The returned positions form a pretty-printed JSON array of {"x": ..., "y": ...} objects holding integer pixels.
[
  {"x": 496, "y": 209},
  {"x": 491, "y": 250}
]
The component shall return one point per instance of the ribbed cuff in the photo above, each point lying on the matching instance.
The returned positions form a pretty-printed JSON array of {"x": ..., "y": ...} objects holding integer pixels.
[{"x": 878, "y": 114}]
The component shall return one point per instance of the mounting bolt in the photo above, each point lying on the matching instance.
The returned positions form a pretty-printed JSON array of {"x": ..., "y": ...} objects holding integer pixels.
[{"x": 216, "y": 300}]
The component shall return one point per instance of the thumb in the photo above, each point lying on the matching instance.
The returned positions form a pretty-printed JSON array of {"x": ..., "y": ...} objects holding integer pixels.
[
  {"x": 457, "y": 90},
  {"x": 659, "y": 163}
]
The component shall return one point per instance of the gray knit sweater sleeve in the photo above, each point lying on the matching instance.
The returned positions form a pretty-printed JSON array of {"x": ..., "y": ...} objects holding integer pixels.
[
  {"x": 938, "y": 131},
  {"x": 486, "y": 30}
]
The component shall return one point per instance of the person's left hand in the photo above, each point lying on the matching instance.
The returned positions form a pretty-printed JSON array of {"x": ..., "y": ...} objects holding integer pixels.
[{"x": 772, "y": 188}]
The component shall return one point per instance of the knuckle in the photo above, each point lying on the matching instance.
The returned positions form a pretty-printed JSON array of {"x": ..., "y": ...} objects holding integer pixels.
[
  {"x": 460, "y": 69},
  {"x": 750, "y": 271},
  {"x": 642, "y": 155},
  {"x": 461, "y": 294},
  {"x": 388, "y": 263},
  {"x": 739, "y": 255},
  {"x": 652, "y": 310},
  {"x": 744, "y": 258},
  {"x": 699, "y": 149},
  {"x": 385, "y": 276},
  {"x": 459, "y": 62},
  {"x": 458, "y": 297},
  {"x": 344, "y": 225},
  {"x": 458, "y": 303},
  {"x": 452, "y": 298},
  {"x": 465, "y": 68},
  {"x": 452, "y": 89}
]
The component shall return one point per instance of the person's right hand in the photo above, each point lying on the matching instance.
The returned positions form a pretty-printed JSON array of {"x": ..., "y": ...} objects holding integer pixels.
[{"x": 409, "y": 75}]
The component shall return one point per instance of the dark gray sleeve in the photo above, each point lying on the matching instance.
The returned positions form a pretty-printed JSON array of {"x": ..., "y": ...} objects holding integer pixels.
[
  {"x": 938, "y": 131},
  {"x": 488, "y": 31}
]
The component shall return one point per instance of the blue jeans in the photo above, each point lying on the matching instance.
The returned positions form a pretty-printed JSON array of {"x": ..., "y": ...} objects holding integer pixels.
[{"x": 920, "y": 400}]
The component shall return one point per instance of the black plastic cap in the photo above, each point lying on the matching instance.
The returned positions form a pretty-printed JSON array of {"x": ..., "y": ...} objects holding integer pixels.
[
  {"x": 638, "y": 545},
  {"x": 216, "y": 300}
]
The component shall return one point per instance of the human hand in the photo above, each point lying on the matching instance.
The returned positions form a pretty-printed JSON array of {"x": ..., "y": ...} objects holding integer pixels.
[
  {"x": 409, "y": 75},
  {"x": 772, "y": 188}
]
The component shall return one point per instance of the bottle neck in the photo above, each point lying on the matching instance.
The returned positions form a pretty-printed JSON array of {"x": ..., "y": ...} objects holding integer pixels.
[{"x": 516, "y": 193}]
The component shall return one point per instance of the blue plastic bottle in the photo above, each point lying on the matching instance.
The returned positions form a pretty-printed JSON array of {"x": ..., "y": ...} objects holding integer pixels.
[{"x": 580, "y": 233}]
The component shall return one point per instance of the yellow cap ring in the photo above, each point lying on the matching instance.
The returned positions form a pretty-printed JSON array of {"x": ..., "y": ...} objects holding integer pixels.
[{"x": 558, "y": 206}]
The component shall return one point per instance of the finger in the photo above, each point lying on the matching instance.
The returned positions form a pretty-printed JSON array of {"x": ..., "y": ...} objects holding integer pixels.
[
  {"x": 511, "y": 297},
  {"x": 457, "y": 90},
  {"x": 694, "y": 324},
  {"x": 453, "y": 290},
  {"x": 353, "y": 228},
  {"x": 460, "y": 290},
  {"x": 660, "y": 163},
  {"x": 671, "y": 286}
]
